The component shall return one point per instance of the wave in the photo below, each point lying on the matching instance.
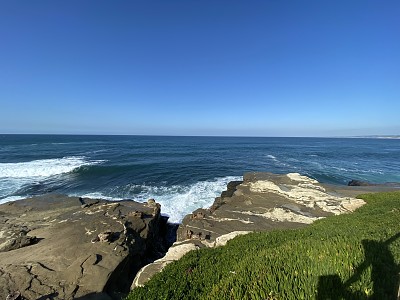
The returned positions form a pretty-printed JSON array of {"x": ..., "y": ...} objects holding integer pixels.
[
  {"x": 282, "y": 164},
  {"x": 97, "y": 195},
  {"x": 23, "y": 178},
  {"x": 11, "y": 198},
  {"x": 358, "y": 171},
  {"x": 176, "y": 200},
  {"x": 44, "y": 167}
]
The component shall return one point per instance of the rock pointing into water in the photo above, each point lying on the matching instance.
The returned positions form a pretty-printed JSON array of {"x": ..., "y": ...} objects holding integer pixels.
[
  {"x": 263, "y": 201},
  {"x": 365, "y": 183},
  {"x": 58, "y": 247}
]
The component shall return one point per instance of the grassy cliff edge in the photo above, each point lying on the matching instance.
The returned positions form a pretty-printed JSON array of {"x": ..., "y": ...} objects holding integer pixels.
[{"x": 351, "y": 256}]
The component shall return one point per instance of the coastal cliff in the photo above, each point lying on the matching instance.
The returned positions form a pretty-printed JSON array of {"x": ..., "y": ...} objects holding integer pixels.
[
  {"x": 261, "y": 202},
  {"x": 59, "y": 247}
]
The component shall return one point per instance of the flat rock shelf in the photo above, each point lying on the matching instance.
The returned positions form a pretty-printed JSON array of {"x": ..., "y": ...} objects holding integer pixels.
[
  {"x": 58, "y": 247},
  {"x": 261, "y": 202}
]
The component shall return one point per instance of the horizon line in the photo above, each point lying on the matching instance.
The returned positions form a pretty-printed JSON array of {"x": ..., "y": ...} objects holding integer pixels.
[{"x": 383, "y": 136}]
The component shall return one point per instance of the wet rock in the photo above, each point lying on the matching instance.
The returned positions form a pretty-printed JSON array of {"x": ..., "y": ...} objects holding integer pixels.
[
  {"x": 230, "y": 189},
  {"x": 358, "y": 183},
  {"x": 365, "y": 183}
]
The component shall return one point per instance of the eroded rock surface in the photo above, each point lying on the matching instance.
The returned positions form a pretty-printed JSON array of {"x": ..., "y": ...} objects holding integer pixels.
[
  {"x": 58, "y": 247},
  {"x": 263, "y": 201}
]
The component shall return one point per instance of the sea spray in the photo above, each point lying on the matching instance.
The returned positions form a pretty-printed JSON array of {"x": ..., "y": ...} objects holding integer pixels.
[{"x": 176, "y": 200}]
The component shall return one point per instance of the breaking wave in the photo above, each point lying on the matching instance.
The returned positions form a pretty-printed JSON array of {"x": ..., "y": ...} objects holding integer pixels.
[
  {"x": 14, "y": 176},
  {"x": 176, "y": 200},
  {"x": 44, "y": 167}
]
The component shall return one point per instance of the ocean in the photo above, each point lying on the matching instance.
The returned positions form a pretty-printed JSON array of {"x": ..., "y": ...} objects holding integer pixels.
[{"x": 181, "y": 173}]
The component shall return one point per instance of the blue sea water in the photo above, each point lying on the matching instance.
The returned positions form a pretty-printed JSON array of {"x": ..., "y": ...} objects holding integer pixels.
[{"x": 182, "y": 173}]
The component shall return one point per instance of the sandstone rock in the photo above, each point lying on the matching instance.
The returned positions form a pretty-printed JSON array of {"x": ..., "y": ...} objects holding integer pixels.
[
  {"x": 105, "y": 236},
  {"x": 174, "y": 253},
  {"x": 58, "y": 247},
  {"x": 138, "y": 214},
  {"x": 151, "y": 202},
  {"x": 223, "y": 239},
  {"x": 17, "y": 242},
  {"x": 14, "y": 296},
  {"x": 261, "y": 202}
]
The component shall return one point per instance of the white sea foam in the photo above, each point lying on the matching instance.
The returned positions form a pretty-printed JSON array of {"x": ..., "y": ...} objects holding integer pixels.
[
  {"x": 177, "y": 200},
  {"x": 357, "y": 170},
  {"x": 14, "y": 176},
  {"x": 11, "y": 198},
  {"x": 279, "y": 163},
  {"x": 97, "y": 195},
  {"x": 43, "y": 167}
]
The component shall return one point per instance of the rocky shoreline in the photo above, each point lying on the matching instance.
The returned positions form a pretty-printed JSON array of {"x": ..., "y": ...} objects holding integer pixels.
[
  {"x": 59, "y": 247},
  {"x": 261, "y": 202}
]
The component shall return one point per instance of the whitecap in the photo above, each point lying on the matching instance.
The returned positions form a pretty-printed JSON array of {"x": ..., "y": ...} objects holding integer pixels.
[
  {"x": 97, "y": 195},
  {"x": 279, "y": 163},
  {"x": 11, "y": 198},
  {"x": 44, "y": 167},
  {"x": 14, "y": 176}
]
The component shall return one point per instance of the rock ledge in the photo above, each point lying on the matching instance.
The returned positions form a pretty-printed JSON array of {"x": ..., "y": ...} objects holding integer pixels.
[
  {"x": 262, "y": 202},
  {"x": 59, "y": 247}
]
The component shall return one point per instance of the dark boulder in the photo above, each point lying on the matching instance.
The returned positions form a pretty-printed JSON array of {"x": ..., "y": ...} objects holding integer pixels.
[{"x": 359, "y": 183}]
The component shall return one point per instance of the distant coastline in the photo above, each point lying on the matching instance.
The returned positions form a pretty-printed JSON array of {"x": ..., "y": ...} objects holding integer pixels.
[{"x": 394, "y": 137}]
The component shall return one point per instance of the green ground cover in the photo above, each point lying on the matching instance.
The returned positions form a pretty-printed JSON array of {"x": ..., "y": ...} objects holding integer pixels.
[{"x": 352, "y": 256}]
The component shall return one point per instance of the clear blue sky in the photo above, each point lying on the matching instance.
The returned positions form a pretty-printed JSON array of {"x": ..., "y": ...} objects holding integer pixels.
[{"x": 258, "y": 68}]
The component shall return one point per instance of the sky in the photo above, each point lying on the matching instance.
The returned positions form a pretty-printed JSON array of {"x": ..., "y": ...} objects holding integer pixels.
[{"x": 230, "y": 68}]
